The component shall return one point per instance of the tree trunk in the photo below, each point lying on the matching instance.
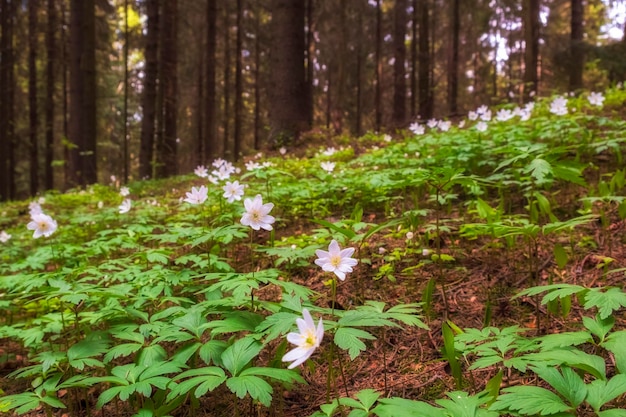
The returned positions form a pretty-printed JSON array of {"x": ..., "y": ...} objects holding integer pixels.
[
  {"x": 210, "y": 130},
  {"x": 310, "y": 58},
  {"x": 288, "y": 115},
  {"x": 414, "y": 60},
  {"x": 531, "y": 52},
  {"x": 51, "y": 56},
  {"x": 82, "y": 127},
  {"x": 399, "y": 80},
  {"x": 453, "y": 59},
  {"x": 359, "y": 70},
  {"x": 577, "y": 51},
  {"x": 6, "y": 66},
  {"x": 125, "y": 161},
  {"x": 238, "y": 82},
  {"x": 425, "y": 107},
  {"x": 226, "y": 120},
  {"x": 148, "y": 120},
  {"x": 257, "y": 77},
  {"x": 168, "y": 165},
  {"x": 378, "y": 118},
  {"x": 32, "y": 96}
]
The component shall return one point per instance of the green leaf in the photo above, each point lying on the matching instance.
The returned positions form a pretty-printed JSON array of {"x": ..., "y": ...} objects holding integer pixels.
[
  {"x": 560, "y": 255},
  {"x": 599, "y": 327},
  {"x": 449, "y": 353},
  {"x": 567, "y": 383},
  {"x": 539, "y": 169},
  {"x": 615, "y": 412},
  {"x": 530, "y": 400},
  {"x": 283, "y": 375},
  {"x": 400, "y": 407},
  {"x": 616, "y": 344},
  {"x": 367, "y": 397},
  {"x": 157, "y": 257},
  {"x": 202, "y": 379},
  {"x": 257, "y": 388},
  {"x": 606, "y": 301},
  {"x": 237, "y": 356},
  {"x": 349, "y": 338},
  {"x": 601, "y": 392}
]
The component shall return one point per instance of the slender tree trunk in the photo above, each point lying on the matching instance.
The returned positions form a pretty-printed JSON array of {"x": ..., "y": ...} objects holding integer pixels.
[
  {"x": 414, "y": 60},
  {"x": 210, "y": 130},
  {"x": 32, "y": 96},
  {"x": 82, "y": 128},
  {"x": 148, "y": 121},
  {"x": 238, "y": 82},
  {"x": 379, "y": 67},
  {"x": 288, "y": 115},
  {"x": 226, "y": 122},
  {"x": 425, "y": 108},
  {"x": 67, "y": 150},
  {"x": 453, "y": 59},
  {"x": 168, "y": 164},
  {"x": 125, "y": 161},
  {"x": 359, "y": 70},
  {"x": 51, "y": 56},
  {"x": 5, "y": 139},
  {"x": 11, "y": 82},
  {"x": 257, "y": 77},
  {"x": 200, "y": 155},
  {"x": 577, "y": 51},
  {"x": 310, "y": 57},
  {"x": 531, "y": 52},
  {"x": 399, "y": 79}
]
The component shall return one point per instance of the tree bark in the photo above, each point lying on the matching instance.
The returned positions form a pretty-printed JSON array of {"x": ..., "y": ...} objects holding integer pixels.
[
  {"x": 32, "y": 96},
  {"x": 288, "y": 114},
  {"x": 577, "y": 51},
  {"x": 530, "y": 14},
  {"x": 399, "y": 81},
  {"x": 6, "y": 67},
  {"x": 168, "y": 164},
  {"x": 378, "y": 117},
  {"x": 237, "y": 139},
  {"x": 424, "y": 81},
  {"x": 210, "y": 130},
  {"x": 148, "y": 121},
  {"x": 51, "y": 56},
  {"x": 125, "y": 161},
  {"x": 257, "y": 77},
  {"x": 82, "y": 127},
  {"x": 453, "y": 59},
  {"x": 226, "y": 120},
  {"x": 414, "y": 59}
]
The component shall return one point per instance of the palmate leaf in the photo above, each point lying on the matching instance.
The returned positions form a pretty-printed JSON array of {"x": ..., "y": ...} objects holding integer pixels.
[
  {"x": 349, "y": 338},
  {"x": 364, "y": 318},
  {"x": 202, "y": 379},
  {"x": 258, "y": 388},
  {"x": 601, "y": 392},
  {"x": 567, "y": 383},
  {"x": 606, "y": 301},
  {"x": 530, "y": 400},
  {"x": 616, "y": 344},
  {"x": 539, "y": 169},
  {"x": 614, "y": 412},
  {"x": 400, "y": 407},
  {"x": 237, "y": 356},
  {"x": 572, "y": 357},
  {"x": 461, "y": 404}
]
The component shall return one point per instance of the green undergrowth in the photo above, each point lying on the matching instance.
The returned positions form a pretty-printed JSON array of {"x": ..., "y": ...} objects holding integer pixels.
[{"x": 153, "y": 310}]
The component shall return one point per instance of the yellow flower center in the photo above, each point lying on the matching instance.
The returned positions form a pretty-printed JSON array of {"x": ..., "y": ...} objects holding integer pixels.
[
  {"x": 256, "y": 216},
  {"x": 43, "y": 225},
  {"x": 310, "y": 340},
  {"x": 335, "y": 260}
]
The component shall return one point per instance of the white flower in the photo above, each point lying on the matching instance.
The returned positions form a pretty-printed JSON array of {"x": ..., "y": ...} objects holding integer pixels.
[
  {"x": 212, "y": 179},
  {"x": 125, "y": 206},
  {"x": 481, "y": 126},
  {"x": 34, "y": 208},
  {"x": 196, "y": 195},
  {"x": 382, "y": 250},
  {"x": 425, "y": 252},
  {"x": 233, "y": 191},
  {"x": 257, "y": 214},
  {"x": 201, "y": 171},
  {"x": 329, "y": 151},
  {"x": 472, "y": 115},
  {"x": 432, "y": 123},
  {"x": 486, "y": 116},
  {"x": 503, "y": 115},
  {"x": 252, "y": 165},
  {"x": 282, "y": 150},
  {"x": 482, "y": 109},
  {"x": 409, "y": 235},
  {"x": 328, "y": 166},
  {"x": 417, "y": 128},
  {"x": 461, "y": 124},
  {"x": 444, "y": 125},
  {"x": 559, "y": 106},
  {"x": 307, "y": 339},
  {"x": 4, "y": 237},
  {"x": 387, "y": 138},
  {"x": 100, "y": 204},
  {"x": 124, "y": 191},
  {"x": 336, "y": 260},
  {"x": 267, "y": 164},
  {"x": 596, "y": 99},
  {"x": 42, "y": 224}
]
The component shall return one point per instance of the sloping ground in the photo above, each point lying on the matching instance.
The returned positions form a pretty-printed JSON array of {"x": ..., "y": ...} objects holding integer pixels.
[{"x": 458, "y": 221}]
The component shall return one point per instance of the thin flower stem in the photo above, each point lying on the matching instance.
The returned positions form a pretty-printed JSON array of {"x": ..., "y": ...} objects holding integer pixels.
[{"x": 252, "y": 260}]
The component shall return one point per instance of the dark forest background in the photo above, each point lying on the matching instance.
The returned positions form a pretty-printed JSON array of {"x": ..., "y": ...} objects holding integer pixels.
[{"x": 152, "y": 88}]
